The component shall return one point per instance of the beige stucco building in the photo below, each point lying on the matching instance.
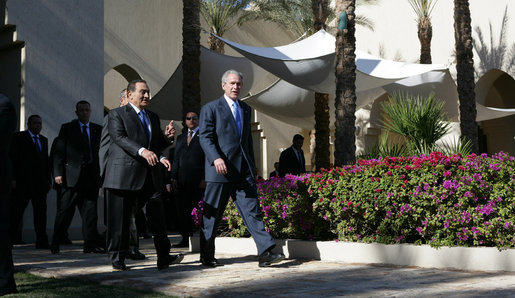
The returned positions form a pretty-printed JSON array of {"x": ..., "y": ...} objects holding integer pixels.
[{"x": 54, "y": 53}]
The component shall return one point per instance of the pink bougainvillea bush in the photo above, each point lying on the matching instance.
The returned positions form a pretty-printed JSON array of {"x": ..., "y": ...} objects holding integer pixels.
[{"x": 436, "y": 199}]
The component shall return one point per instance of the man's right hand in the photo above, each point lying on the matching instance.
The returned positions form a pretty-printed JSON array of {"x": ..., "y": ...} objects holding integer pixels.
[
  {"x": 150, "y": 156},
  {"x": 220, "y": 166},
  {"x": 59, "y": 180}
]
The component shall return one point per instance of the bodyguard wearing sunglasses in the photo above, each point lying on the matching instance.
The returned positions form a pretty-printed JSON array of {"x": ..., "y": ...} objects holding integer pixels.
[{"x": 187, "y": 176}]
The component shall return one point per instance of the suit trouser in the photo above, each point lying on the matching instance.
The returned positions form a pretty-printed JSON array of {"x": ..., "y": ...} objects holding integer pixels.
[
  {"x": 7, "y": 284},
  {"x": 244, "y": 196},
  {"x": 120, "y": 205},
  {"x": 39, "y": 211},
  {"x": 85, "y": 196},
  {"x": 186, "y": 199},
  {"x": 133, "y": 232}
]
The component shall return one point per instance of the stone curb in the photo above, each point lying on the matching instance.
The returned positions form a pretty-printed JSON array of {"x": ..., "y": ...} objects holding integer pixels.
[{"x": 460, "y": 258}]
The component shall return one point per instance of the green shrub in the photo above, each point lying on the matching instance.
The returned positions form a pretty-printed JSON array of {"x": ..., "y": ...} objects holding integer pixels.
[{"x": 435, "y": 199}]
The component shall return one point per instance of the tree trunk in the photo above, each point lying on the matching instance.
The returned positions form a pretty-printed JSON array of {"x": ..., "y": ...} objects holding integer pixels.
[
  {"x": 216, "y": 44},
  {"x": 320, "y": 9},
  {"x": 465, "y": 72},
  {"x": 191, "y": 57},
  {"x": 425, "y": 34},
  {"x": 345, "y": 101},
  {"x": 322, "y": 131}
]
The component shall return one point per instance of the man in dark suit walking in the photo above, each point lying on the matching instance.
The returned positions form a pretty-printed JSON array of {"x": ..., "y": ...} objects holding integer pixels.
[
  {"x": 76, "y": 170},
  {"x": 103, "y": 153},
  {"x": 133, "y": 173},
  {"x": 31, "y": 179},
  {"x": 292, "y": 159},
  {"x": 226, "y": 139},
  {"x": 7, "y": 126},
  {"x": 188, "y": 176}
]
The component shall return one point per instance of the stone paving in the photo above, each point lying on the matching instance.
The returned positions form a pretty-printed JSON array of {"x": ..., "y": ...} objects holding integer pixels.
[{"x": 241, "y": 277}]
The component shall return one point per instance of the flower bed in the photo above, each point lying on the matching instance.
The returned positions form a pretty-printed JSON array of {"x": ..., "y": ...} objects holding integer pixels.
[{"x": 437, "y": 200}]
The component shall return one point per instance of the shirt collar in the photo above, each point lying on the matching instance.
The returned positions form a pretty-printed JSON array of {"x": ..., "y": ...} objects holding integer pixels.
[
  {"x": 135, "y": 108},
  {"x": 230, "y": 101},
  {"x": 82, "y": 124},
  {"x": 194, "y": 130},
  {"x": 31, "y": 134}
]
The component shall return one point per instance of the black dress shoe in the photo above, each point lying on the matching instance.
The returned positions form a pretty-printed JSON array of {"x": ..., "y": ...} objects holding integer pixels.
[
  {"x": 268, "y": 258},
  {"x": 181, "y": 244},
  {"x": 135, "y": 255},
  {"x": 119, "y": 266},
  {"x": 95, "y": 250},
  {"x": 210, "y": 262},
  {"x": 172, "y": 259},
  {"x": 42, "y": 246},
  {"x": 65, "y": 241},
  {"x": 54, "y": 249},
  {"x": 18, "y": 242}
]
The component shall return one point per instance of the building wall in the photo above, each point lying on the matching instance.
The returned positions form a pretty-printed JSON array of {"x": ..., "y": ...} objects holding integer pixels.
[{"x": 63, "y": 64}]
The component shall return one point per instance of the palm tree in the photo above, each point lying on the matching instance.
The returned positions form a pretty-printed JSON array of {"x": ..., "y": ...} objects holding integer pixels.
[
  {"x": 191, "y": 56},
  {"x": 423, "y": 9},
  {"x": 465, "y": 72},
  {"x": 222, "y": 15},
  {"x": 321, "y": 12},
  {"x": 345, "y": 101},
  {"x": 495, "y": 55}
]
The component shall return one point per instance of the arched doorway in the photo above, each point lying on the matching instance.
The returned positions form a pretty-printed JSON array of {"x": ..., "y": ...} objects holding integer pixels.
[
  {"x": 115, "y": 80},
  {"x": 497, "y": 89}
]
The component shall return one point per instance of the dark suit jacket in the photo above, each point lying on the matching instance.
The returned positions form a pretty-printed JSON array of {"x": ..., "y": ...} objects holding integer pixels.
[
  {"x": 289, "y": 163},
  {"x": 188, "y": 161},
  {"x": 67, "y": 162},
  {"x": 126, "y": 170},
  {"x": 31, "y": 169},
  {"x": 103, "y": 151},
  {"x": 219, "y": 138}
]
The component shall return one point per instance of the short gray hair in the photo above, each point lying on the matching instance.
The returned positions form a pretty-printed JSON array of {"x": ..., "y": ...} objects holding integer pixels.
[
  {"x": 231, "y": 71},
  {"x": 123, "y": 93}
]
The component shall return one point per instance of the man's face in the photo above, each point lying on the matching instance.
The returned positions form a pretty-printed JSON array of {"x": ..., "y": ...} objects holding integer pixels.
[
  {"x": 297, "y": 144},
  {"x": 123, "y": 99},
  {"x": 35, "y": 125},
  {"x": 232, "y": 86},
  {"x": 191, "y": 120},
  {"x": 140, "y": 97},
  {"x": 83, "y": 112}
]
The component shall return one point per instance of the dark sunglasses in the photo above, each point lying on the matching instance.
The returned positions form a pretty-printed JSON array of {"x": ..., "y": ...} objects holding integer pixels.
[{"x": 192, "y": 118}]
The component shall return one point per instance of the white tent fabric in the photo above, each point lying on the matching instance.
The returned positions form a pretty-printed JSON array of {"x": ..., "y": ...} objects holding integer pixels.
[
  {"x": 305, "y": 67},
  {"x": 309, "y": 64}
]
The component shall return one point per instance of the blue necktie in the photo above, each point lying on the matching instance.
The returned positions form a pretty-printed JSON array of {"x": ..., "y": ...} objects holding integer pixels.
[
  {"x": 143, "y": 117},
  {"x": 237, "y": 116},
  {"x": 36, "y": 141}
]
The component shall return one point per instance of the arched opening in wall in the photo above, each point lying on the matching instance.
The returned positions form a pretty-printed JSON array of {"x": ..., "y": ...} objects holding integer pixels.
[
  {"x": 497, "y": 89},
  {"x": 115, "y": 80}
]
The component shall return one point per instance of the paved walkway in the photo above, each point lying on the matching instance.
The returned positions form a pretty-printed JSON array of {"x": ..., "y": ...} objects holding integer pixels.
[{"x": 241, "y": 277}]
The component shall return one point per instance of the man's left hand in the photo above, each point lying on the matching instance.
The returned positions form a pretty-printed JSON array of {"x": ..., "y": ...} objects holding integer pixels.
[
  {"x": 166, "y": 163},
  {"x": 170, "y": 130}
]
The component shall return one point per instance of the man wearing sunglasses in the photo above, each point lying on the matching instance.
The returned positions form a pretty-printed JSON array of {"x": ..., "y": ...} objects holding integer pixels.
[{"x": 187, "y": 176}]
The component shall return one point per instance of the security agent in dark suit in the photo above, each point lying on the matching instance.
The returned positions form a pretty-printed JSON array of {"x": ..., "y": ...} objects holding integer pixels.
[
  {"x": 133, "y": 173},
  {"x": 103, "y": 153},
  {"x": 31, "y": 179},
  {"x": 226, "y": 139},
  {"x": 187, "y": 176},
  {"x": 292, "y": 159},
  {"x": 76, "y": 170},
  {"x": 7, "y": 126}
]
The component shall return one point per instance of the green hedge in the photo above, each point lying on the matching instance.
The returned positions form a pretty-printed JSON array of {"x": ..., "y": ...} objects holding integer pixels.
[{"x": 437, "y": 200}]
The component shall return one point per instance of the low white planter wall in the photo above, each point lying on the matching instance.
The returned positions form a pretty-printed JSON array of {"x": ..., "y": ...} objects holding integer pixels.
[{"x": 461, "y": 258}]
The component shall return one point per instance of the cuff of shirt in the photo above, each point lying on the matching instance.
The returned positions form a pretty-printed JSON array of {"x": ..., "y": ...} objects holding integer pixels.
[{"x": 140, "y": 151}]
